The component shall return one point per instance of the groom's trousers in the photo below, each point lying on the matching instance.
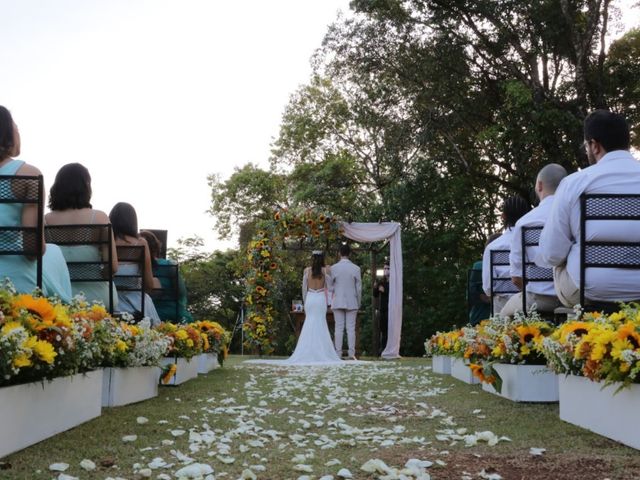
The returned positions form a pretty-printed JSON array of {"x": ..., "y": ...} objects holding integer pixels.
[{"x": 342, "y": 317}]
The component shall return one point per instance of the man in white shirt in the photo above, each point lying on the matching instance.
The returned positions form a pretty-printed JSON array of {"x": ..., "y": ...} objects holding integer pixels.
[
  {"x": 540, "y": 293},
  {"x": 513, "y": 208},
  {"x": 613, "y": 170}
]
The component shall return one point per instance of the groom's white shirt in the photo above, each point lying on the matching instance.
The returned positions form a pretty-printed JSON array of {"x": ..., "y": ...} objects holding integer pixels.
[{"x": 346, "y": 285}]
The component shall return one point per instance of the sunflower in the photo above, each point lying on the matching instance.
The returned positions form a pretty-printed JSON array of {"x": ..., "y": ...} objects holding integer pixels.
[
  {"x": 169, "y": 373},
  {"x": 577, "y": 328},
  {"x": 261, "y": 290},
  {"x": 527, "y": 333},
  {"x": 45, "y": 351},
  {"x": 628, "y": 332},
  {"x": 276, "y": 217},
  {"x": 37, "y": 307},
  {"x": 273, "y": 265},
  {"x": 321, "y": 218},
  {"x": 478, "y": 372}
]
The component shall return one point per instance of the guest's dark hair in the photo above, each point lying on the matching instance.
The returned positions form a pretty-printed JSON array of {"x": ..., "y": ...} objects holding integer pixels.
[
  {"x": 71, "y": 188},
  {"x": 124, "y": 220},
  {"x": 317, "y": 263},
  {"x": 7, "y": 140},
  {"x": 609, "y": 129},
  {"x": 345, "y": 250},
  {"x": 514, "y": 208},
  {"x": 155, "y": 245}
]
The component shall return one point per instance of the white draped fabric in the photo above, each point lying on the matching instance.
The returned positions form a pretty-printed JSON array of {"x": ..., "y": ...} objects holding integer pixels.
[{"x": 373, "y": 232}]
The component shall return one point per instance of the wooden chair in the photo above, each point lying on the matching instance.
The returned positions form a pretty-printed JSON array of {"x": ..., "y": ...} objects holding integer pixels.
[
  {"x": 133, "y": 281},
  {"x": 98, "y": 269},
  {"x": 169, "y": 294},
  {"x": 608, "y": 252},
  {"x": 500, "y": 285},
  {"x": 21, "y": 240},
  {"x": 530, "y": 237}
]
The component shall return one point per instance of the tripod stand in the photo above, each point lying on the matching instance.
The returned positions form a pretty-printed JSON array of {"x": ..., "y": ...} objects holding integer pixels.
[{"x": 238, "y": 325}]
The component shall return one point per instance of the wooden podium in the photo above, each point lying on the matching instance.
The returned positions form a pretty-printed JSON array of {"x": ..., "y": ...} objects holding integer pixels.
[{"x": 298, "y": 321}]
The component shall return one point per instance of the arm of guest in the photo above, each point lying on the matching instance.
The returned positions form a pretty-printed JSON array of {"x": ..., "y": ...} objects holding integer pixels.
[{"x": 556, "y": 238}]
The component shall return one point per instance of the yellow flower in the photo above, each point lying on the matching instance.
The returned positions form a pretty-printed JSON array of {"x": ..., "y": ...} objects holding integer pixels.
[
  {"x": 9, "y": 327},
  {"x": 38, "y": 307},
  {"x": 628, "y": 332},
  {"x": 265, "y": 253},
  {"x": 182, "y": 335},
  {"x": 577, "y": 328},
  {"x": 189, "y": 343},
  {"x": 121, "y": 346},
  {"x": 527, "y": 333},
  {"x": 22, "y": 360},
  {"x": 45, "y": 351},
  {"x": 169, "y": 373}
]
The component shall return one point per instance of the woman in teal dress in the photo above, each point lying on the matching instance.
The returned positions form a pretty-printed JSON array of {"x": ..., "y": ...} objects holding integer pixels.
[
  {"x": 20, "y": 270},
  {"x": 167, "y": 308},
  {"x": 70, "y": 204}
]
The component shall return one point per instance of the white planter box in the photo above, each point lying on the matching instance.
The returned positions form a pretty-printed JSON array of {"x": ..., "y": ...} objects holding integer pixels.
[
  {"x": 121, "y": 386},
  {"x": 441, "y": 364},
  {"x": 526, "y": 383},
  {"x": 583, "y": 403},
  {"x": 32, "y": 412},
  {"x": 187, "y": 369},
  {"x": 207, "y": 362},
  {"x": 461, "y": 371}
]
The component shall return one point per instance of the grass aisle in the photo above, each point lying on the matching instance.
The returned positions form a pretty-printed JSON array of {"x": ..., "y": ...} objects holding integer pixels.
[{"x": 278, "y": 423}]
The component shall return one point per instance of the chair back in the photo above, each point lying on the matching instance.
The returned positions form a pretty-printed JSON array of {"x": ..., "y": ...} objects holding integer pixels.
[
  {"x": 500, "y": 285},
  {"x": 608, "y": 253},
  {"x": 169, "y": 294},
  {"x": 21, "y": 240},
  {"x": 133, "y": 281},
  {"x": 96, "y": 269},
  {"x": 530, "y": 237}
]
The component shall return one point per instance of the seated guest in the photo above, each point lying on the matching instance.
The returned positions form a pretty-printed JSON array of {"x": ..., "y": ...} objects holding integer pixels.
[
  {"x": 70, "y": 204},
  {"x": 20, "y": 269},
  {"x": 512, "y": 209},
  {"x": 167, "y": 309},
  {"x": 125, "y": 230},
  {"x": 613, "y": 170},
  {"x": 542, "y": 294}
]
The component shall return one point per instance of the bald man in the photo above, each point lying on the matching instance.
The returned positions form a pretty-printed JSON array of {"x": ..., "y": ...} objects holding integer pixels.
[{"x": 542, "y": 294}]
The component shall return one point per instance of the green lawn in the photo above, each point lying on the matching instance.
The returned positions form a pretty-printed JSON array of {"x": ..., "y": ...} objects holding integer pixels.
[{"x": 270, "y": 419}]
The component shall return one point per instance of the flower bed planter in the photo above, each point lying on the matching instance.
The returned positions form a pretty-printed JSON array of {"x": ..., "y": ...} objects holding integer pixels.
[
  {"x": 207, "y": 362},
  {"x": 186, "y": 369},
  {"x": 461, "y": 371},
  {"x": 121, "y": 386},
  {"x": 526, "y": 383},
  {"x": 586, "y": 404},
  {"x": 441, "y": 364},
  {"x": 32, "y": 412}
]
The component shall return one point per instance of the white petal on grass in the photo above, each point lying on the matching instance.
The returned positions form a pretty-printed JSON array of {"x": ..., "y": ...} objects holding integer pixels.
[
  {"x": 247, "y": 475},
  {"x": 129, "y": 438},
  {"x": 156, "y": 463},
  {"x": 166, "y": 443},
  {"x": 300, "y": 467},
  {"x": 344, "y": 473},
  {"x": 195, "y": 470},
  {"x": 225, "y": 460},
  {"x": 145, "y": 472},
  {"x": 142, "y": 420},
  {"x": 489, "y": 476},
  {"x": 58, "y": 467},
  {"x": 537, "y": 451},
  {"x": 64, "y": 476},
  {"x": 332, "y": 462},
  {"x": 418, "y": 463},
  {"x": 326, "y": 477},
  {"x": 87, "y": 465},
  {"x": 177, "y": 432}
]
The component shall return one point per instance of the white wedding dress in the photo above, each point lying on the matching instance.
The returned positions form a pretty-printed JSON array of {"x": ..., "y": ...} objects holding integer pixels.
[{"x": 315, "y": 346}]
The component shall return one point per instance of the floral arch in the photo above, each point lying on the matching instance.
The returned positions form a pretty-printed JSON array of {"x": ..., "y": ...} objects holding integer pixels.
[{"x": 310, "y": 227}]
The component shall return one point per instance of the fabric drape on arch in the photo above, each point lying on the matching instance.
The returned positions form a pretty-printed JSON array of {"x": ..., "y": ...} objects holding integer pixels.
[{"x": 373, "y": 232}]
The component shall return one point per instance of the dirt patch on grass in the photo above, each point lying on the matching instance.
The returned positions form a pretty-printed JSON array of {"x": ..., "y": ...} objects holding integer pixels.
[{"x": 545, "y": 467}]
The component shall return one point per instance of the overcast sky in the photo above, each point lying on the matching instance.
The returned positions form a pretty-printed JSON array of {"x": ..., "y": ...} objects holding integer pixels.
[{"x": 154, "y": 95}]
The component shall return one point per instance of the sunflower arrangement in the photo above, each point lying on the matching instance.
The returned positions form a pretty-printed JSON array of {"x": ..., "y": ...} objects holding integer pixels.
[
  {"x": 184, "y": 340},
  {"x": 263, "y": 268},
  {"x": 599, "y": 347},
  {"x": 215, "y": 337},
  {"x": 38, "y": 339},
  {"x": 444, "y": 343}
]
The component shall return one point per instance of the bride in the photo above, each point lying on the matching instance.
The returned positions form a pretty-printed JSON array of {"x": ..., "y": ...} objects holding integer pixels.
[{"x": 315, "y": 346}]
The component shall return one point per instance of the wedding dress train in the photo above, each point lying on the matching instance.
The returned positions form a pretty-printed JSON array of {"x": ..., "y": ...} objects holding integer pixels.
[{"x": 315, "y": 346}]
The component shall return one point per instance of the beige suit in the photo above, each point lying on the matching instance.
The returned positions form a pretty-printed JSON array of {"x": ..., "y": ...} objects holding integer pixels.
[{"x": 346, "y": 285}]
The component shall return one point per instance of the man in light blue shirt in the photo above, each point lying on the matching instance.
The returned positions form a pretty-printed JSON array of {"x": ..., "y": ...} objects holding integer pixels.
[
  {"x": 613, "y": 170},
  {"x": 540, "y": 293}
]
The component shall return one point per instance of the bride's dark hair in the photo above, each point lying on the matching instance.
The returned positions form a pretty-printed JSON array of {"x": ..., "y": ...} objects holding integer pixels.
[{"x": 317, "y": 262}]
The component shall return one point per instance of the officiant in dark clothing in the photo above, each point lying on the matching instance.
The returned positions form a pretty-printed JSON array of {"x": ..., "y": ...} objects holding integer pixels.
[{"x": 381, "y": 292}]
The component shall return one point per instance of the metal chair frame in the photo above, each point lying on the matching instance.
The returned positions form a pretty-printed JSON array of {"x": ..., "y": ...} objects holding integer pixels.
[
  {"x": 530, "y": 237},
  {"x": 607, "y": 253},
  {"x": 131, "y": 283},
  {"x": 98, "y": 235},
  {"x": 26, "y": 190},
  {"x": 499, "y": 258}
]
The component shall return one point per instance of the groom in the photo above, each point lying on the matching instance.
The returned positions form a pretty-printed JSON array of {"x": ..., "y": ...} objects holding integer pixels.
[{"x": 347, "y": 292}]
